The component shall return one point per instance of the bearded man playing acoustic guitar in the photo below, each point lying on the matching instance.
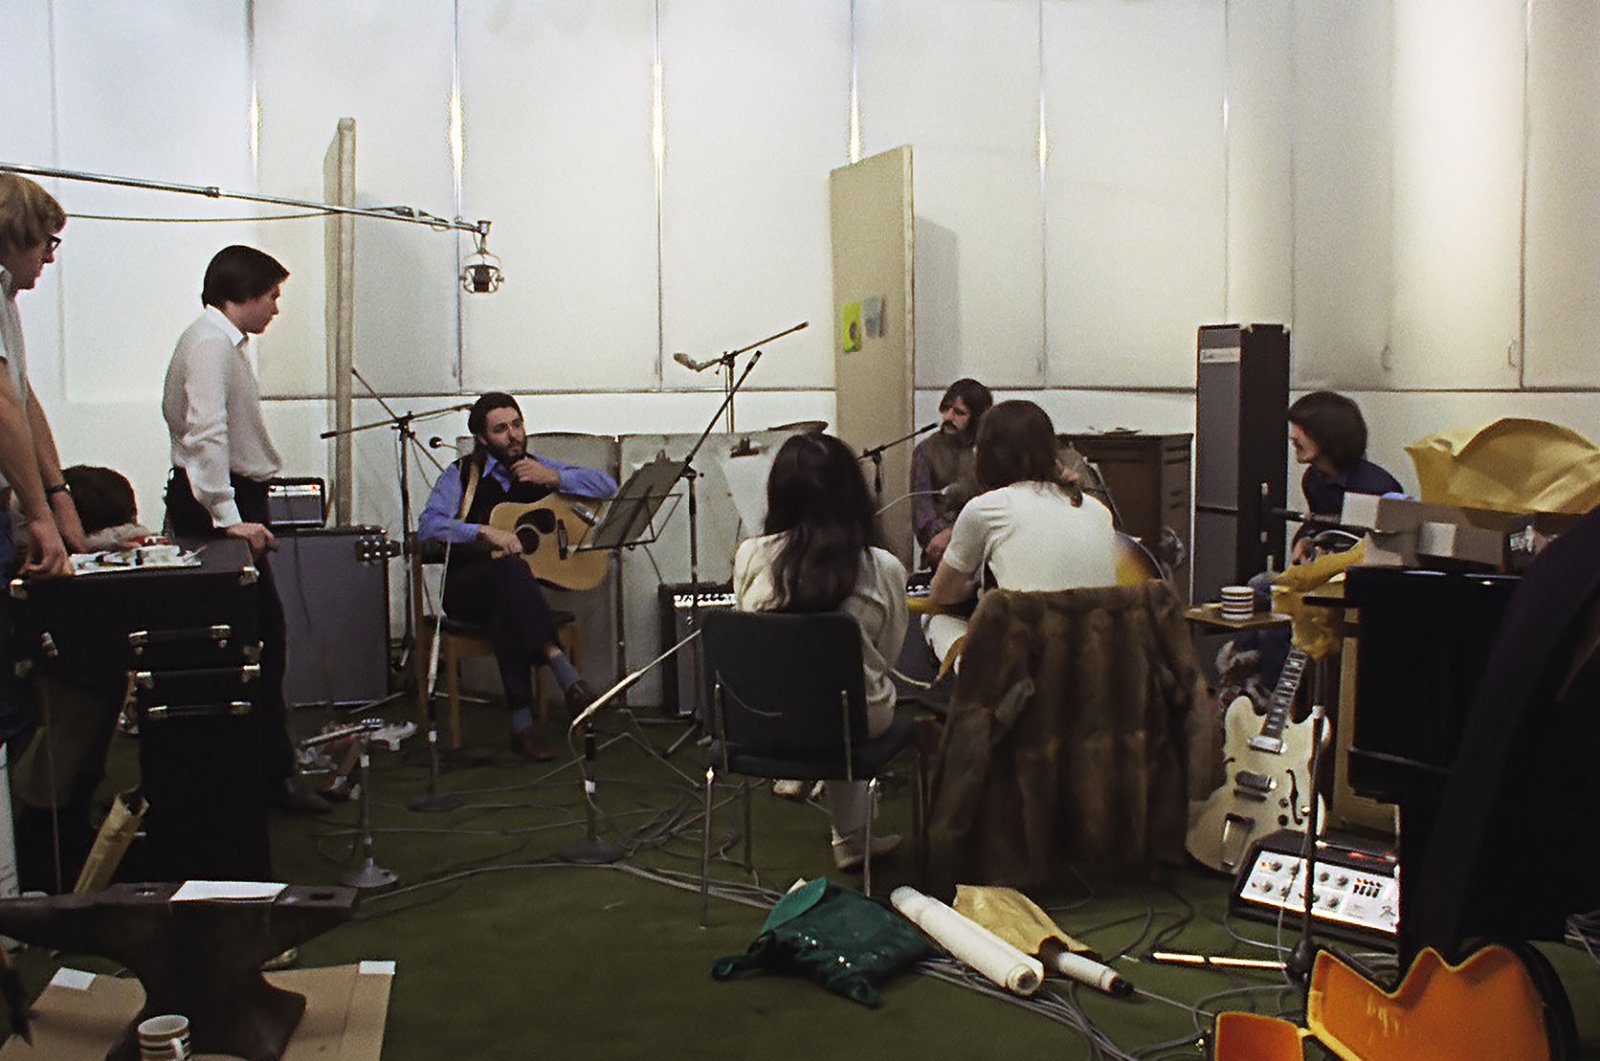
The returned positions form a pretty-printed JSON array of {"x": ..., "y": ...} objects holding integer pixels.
[{"x": 494, "y": 587}]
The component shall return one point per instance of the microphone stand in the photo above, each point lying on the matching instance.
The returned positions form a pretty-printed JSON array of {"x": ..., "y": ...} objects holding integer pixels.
[
  {"x": 407, "y": 437},
  {"x": 591, "y": 850},
  {"x": 690, "y": 475},
  {"x": 725, "y": 364},
  {"x": 875, "y": 455},
  {"x": 1303, "y": 957}
]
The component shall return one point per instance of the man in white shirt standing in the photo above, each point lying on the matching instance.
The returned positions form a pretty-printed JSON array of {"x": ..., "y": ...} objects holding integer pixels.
[
  {"x": 30, "y": 468},
  {"x": 222, "y": 458}
]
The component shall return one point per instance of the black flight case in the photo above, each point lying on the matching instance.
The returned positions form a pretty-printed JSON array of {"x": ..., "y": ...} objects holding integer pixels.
[{"x": 189, "y": 638}]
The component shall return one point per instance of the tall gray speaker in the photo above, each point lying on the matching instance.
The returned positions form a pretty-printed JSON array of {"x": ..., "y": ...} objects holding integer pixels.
[
  {"x": 1240, "y": 452},
  {"x": 334, "y": 585}
]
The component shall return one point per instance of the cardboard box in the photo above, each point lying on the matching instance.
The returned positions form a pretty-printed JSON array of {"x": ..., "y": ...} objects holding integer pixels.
[
  {"x": 1401, "y": 531},
  {"x": 79, "y": 1015}
]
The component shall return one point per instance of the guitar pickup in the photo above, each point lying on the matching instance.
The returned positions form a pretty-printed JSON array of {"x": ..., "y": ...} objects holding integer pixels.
[
  {"x": 1251, "y": 780},
  {"x": 1263, "y": 743}
]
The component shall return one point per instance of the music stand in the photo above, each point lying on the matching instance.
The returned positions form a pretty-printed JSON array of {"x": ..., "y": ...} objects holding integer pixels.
[{"x": 629, "y": 516}]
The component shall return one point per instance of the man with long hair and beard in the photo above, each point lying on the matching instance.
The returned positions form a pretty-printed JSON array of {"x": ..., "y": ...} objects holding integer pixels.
[
  {"x": 817, "y": 555},
  {"x": 494, "y": 586},
  {"x": 943, "y": 476}
]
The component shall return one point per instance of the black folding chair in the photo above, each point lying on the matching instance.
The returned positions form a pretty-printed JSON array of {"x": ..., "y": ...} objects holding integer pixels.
[{"x": 787, "y": 698}]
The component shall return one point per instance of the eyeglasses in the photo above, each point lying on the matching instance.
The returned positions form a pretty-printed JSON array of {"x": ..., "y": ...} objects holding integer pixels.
[{"x": 51, "y": 243}]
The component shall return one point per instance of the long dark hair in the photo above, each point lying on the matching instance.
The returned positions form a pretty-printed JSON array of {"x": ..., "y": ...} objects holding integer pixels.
[
  {"x": 1017, "y": 443},
  {"x": 817, "y": 495}
]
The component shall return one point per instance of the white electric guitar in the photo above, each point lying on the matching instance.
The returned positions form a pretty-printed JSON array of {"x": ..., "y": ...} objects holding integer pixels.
[{"x": 1269, "y": 770}]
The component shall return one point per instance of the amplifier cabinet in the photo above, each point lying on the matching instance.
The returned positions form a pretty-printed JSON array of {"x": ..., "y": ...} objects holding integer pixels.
[
  {"x": 1241, "y": 453},
  {"x": 1148, "y": 479},
  {"x": 678, "y": 672},
  {"x": 334, "y": 585}
]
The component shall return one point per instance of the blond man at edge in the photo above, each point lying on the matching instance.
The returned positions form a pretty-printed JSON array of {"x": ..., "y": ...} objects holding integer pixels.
[{"x": 30, "y": 217}]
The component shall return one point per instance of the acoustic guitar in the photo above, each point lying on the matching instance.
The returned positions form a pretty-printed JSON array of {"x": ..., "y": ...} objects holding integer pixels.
[
  {"x": 551, "y": 531},
  {"x": 1268, "y": 776},
  {"x": 1135, "y": 564}
]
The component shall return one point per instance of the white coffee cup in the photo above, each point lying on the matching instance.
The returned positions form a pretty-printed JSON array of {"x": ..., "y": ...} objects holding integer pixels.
[{"x": 164, "y": 1038}]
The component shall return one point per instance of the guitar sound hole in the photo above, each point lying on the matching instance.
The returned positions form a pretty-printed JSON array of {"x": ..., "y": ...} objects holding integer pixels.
[
  {"x": 541, "y": 519},
  {"x": 529, "y": 539}
]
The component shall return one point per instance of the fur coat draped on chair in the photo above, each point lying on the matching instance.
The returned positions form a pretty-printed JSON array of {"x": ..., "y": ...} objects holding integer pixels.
[{"x": 1079, "y": 730}]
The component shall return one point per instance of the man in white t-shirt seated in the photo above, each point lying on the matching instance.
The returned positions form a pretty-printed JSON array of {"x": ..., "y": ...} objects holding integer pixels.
[{"x": 1032, "y": 529}]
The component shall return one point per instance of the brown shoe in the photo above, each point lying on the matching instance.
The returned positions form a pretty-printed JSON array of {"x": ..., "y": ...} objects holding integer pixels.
[
  {"x": 579, "y": 696},
  {"x": 527, "y": 743}
]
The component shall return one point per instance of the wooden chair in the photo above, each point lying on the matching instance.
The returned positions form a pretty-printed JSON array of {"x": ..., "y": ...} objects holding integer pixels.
[{"x": 461, "y": 642}]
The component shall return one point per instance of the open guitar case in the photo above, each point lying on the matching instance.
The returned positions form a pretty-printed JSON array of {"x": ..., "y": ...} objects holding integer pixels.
[{"x": 1499, "y": 1002}]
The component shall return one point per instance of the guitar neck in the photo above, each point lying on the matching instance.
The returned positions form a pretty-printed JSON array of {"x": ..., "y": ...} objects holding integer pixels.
[{"x": 1272, "y": 727}]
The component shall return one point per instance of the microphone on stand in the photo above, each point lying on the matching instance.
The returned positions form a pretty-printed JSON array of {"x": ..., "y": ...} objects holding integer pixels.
[
  {"x": 435, "y": 442},
  {"x": 943, "y": 491},
  {"x": 877, "y": 451},
  {"x": 691, "y": 364}
]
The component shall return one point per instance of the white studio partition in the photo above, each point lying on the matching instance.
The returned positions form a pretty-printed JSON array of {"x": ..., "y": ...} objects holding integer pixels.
[
  {"x": 755, "y": 101},
  {"x": 314, "y": 63},
  {"x": 1562, "y": 258},
  {"x": 1343, "y": 290},
  {"x": 1135, "y": 188},
  {"x": 129, "y": 287},
  {"x": 959, "y": 83},
  {"x": 556, "y": 149},
  {"x": 1260, "y": 135},
  {"x": 1458, "y": 168}
]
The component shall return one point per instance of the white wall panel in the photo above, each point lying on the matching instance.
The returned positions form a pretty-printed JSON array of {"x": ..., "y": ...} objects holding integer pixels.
[
  {"x": 959, "y": 82},
  {"x": 1343, "y": 297},
  {"x": 756, "y": 99},
  {"x": 389, "y": 67},
  {"x": 1458, "y": 158},
  {"x": 26, "y": 134},
  {"x": 155, "y": 92},
  {"x": 1260, "y": 74},
  {"x": 1563, "y": 257},
  {"x": 557, "y": 111},
  {"x": 979, "y": 245},
  {"x": 1135, "y": 187},
  {"x": 27, "y": 138}
]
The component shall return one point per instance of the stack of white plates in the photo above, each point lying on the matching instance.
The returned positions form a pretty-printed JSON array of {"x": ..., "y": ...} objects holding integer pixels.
[{"x": 1238, "y": 602}]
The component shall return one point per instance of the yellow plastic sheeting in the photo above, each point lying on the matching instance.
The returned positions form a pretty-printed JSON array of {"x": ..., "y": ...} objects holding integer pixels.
[
  {"x": 1511, "y": 464},
  {"x": 1315, "y": 630},
  {"x": 1013, "y": 917}
]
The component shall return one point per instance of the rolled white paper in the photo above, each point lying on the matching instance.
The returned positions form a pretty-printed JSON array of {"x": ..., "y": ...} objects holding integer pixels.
[
  {"x": 1095, "y": 974},
  {"x": 970, "y": 942}
]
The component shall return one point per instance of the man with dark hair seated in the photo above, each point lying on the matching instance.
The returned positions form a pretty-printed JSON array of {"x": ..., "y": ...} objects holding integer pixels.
[
  {"x": 1329, "y": 436},
  {"x": 494, "y": 586},
  {"x": 944, "y": 462}
]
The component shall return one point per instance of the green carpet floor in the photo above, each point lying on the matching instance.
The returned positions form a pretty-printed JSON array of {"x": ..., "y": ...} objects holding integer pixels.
[{"x": 505, "y": 951}]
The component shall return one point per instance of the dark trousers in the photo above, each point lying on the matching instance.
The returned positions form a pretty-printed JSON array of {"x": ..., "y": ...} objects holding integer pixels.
[
  {"x": 503, "y": 596},
  {"x": 187, "y": 518}
]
